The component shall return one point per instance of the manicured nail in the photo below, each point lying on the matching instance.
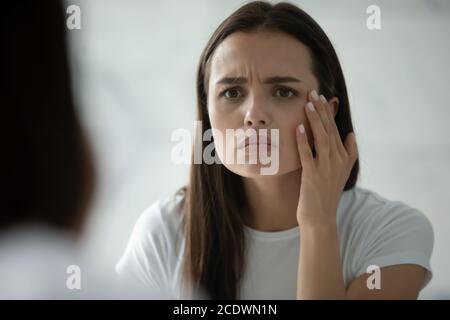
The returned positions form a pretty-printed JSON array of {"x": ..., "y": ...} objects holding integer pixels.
[
  {"x": 310, "y": 106},
  {"x": 314, "y": 95},
  {"x": 301, "y": 127},
  {"x": 323, "y": 99}
]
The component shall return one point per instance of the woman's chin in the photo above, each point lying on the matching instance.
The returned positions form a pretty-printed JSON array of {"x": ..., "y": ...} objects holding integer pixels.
[{"x": 258, "y": 170}]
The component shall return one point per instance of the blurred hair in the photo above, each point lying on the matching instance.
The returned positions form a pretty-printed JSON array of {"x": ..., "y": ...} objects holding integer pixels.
[{"x": 47, "y": 174}]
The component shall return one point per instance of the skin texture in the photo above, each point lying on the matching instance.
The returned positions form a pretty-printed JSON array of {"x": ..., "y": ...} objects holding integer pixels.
[{"x": 306, "y": 190}]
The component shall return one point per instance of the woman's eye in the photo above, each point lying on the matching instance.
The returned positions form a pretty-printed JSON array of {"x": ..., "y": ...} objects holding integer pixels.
[
  {"x": 285, "y": 93},
  {"x": 231, "y": 93}
]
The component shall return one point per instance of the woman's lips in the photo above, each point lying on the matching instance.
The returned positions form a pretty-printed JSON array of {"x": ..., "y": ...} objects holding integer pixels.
[{"x": 261, "y": 141}]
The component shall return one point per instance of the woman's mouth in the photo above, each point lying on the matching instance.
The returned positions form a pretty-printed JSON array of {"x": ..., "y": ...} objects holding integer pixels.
[{"x": 260, "y": 141}]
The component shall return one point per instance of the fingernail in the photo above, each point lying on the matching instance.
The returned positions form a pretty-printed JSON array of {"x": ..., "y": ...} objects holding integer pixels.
[
  {"x": 322, "y": 98},
  {"x": 310, "y": 106},
  {"x": 314, "y": 95},
  {"x": 301, "y": 127}
]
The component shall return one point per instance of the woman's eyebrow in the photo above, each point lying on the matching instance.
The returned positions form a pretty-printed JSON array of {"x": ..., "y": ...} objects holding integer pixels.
[
  {"x": 270, "y": 80},
  {"x": 279, "y": 79}
]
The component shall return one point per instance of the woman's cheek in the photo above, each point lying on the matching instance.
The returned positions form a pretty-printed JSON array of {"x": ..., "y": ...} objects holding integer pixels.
[
  {"x": 288, "y": 141},
  {"x": 223, "y": 107}
]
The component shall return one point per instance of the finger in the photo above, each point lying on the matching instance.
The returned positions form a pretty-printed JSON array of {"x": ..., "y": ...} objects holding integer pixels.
[
  {"x": 304, "y": 150},
  {"x": 333, "y": 127},
  {"x": 323, "y": 110},
  {"x": 321, "y": 141},
  {"x": 351, "y": 148}
]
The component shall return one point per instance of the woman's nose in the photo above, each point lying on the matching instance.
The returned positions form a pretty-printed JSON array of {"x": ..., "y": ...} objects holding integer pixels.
[{"x": 256, "y": 116}]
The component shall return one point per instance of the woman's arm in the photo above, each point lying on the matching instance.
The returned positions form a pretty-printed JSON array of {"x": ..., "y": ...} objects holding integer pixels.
[
  {"x": 323, "y": 178},
  {"x": 320, "y": 273},
  {"x": 322, "y": 181},
  {"x": 398, "y": 282},
  {"x": 319, "y": 267}
]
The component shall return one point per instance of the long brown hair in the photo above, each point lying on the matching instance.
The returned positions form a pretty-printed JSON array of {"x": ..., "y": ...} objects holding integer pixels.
[{"x": 214, "y": 256}]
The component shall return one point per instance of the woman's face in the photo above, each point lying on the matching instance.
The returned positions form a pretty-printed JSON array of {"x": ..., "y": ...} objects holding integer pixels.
[{"x": 274, "y": 77}]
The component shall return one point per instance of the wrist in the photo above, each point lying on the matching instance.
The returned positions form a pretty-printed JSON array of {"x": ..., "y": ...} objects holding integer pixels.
[
  {"x": 323, "y": 228},
  {"x": 316, "y": 220}
]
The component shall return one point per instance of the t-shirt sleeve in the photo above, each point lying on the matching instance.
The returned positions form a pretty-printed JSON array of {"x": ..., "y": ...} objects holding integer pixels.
[
  {"x": 397, "y": 234},
  {"x": 144, "y": 261}
]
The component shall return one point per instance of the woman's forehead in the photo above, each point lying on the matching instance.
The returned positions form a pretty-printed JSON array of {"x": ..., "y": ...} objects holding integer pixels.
[{"x": 264, "y": 53}]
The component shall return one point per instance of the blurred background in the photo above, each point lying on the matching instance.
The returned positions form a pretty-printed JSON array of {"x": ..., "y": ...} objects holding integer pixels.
[{"x": 134, "y": 65}]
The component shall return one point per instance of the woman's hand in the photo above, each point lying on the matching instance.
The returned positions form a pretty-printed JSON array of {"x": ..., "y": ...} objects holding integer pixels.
[{"x": 323, "y": 177}]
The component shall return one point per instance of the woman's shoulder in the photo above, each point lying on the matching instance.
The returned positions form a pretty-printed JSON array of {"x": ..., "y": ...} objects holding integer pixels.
[
  {"x": 164, "y": 215},
  {"x": 379, "y": 231},
  {"x": 368, "y": 212},
  {"x": 152, "y": 251},
  {"x": 365, "y": 203},
  {"x": 158, "y": 229}
]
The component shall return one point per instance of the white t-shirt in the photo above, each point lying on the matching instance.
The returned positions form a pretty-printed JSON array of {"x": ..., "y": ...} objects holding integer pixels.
[{"x": 372, "y": 231}]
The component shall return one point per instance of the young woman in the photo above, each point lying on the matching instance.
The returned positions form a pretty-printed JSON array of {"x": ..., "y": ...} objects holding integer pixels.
[{"x": 306, "y": 232}]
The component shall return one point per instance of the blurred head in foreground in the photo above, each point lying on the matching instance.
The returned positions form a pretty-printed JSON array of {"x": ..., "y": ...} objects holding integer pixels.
[{"x": 47, "y": 174}]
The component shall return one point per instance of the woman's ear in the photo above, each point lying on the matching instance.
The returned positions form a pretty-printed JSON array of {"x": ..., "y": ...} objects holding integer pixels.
[{"x": 334, "y": 103}]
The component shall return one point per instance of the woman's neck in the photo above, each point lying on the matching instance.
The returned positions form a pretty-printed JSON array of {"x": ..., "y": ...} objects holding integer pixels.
[{"x": 272, "y": 201}]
